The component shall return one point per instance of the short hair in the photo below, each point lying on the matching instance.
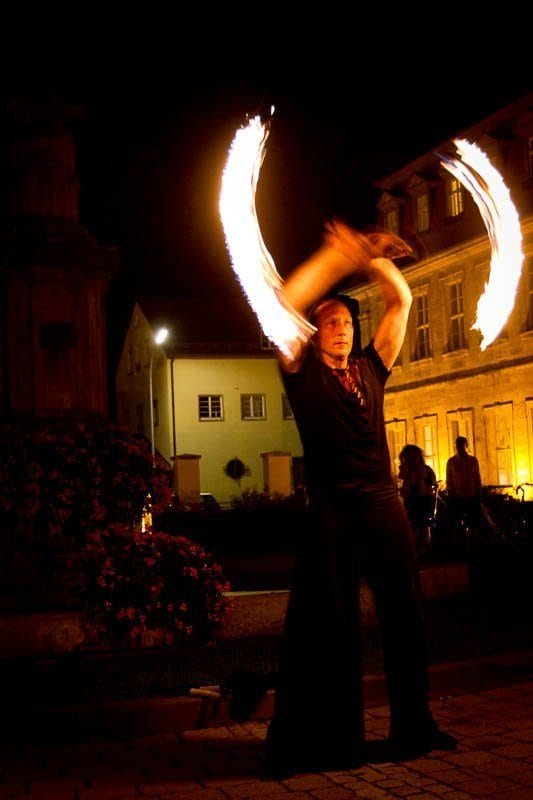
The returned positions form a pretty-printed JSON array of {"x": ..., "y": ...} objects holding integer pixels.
[
  {"x": 353, "y": 309},
  {"x": 461, "y": 439}
]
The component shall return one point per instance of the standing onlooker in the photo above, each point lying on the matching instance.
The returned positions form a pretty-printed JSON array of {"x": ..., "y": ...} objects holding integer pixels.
[{"x": 463, "y": 483}]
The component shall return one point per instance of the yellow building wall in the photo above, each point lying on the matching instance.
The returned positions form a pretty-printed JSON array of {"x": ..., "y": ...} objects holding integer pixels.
[
  {"x": 216, "y": 441},
  {"x": 479, "y": 389},
  {"x": 219, "y": 441}
]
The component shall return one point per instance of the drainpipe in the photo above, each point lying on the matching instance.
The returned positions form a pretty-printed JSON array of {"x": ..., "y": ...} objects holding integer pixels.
[{"x": 173, "y": 406}]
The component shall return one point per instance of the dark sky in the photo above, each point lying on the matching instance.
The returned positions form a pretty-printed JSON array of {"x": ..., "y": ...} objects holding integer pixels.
[{"x": 154, "y": 140}]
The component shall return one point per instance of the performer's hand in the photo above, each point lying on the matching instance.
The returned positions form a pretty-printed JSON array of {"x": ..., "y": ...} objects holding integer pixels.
[
  {"x": 354, "y": 245},
  {"x": 361, "y": 247},
  {"x": 388, "y": 245}
]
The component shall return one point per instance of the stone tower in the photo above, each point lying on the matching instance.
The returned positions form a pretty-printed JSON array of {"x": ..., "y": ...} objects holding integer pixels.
[{"x": 55, "y": 277}]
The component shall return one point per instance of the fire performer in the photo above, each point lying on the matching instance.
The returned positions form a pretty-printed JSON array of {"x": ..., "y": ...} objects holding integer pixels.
[{"x": 359, "y": 527}]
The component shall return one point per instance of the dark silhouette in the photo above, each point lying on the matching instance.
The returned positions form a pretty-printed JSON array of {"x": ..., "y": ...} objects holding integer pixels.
[
  {"x": 418, "y": 491},
  {"x": 359, "y": 527},
  {"x": 463, "y": 483}
]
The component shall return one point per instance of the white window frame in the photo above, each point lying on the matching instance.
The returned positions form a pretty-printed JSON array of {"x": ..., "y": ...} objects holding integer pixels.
[
  {"x": 256, "y": 406},
  {"x": 212, "y": 400}
]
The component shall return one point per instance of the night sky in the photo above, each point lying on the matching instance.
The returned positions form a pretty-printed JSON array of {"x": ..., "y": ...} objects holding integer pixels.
[{"x": 151, "y": 151}]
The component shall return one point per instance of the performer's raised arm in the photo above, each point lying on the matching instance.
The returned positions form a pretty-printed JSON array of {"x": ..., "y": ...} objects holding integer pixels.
[
  {"x": 395, "y": 291},
  {"x": 345, "y": 253}
]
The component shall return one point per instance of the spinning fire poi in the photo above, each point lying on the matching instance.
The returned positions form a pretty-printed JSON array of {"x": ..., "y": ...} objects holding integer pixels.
[
  {"x": 263, "y": 285},
  {"x": 489, "y": 192}
]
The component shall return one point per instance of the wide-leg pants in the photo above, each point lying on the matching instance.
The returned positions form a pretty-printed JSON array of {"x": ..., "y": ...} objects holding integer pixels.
[{"x": 318, "y": 708}]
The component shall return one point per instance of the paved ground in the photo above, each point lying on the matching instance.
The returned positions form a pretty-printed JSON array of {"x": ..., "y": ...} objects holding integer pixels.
[{"x": 494, "y": 758}]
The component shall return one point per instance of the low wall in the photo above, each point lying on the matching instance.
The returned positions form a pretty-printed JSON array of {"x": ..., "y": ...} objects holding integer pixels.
[{"x": 261, "y": 613}]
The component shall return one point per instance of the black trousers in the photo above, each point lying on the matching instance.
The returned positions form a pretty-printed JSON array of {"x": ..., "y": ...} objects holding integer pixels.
[{"x": 318, "y": 706}]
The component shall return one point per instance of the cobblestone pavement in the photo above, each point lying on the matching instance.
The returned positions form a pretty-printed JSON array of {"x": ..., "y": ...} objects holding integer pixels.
[{"x": 494, "y": 759}]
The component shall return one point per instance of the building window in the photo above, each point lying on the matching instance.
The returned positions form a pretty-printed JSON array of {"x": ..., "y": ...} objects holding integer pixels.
[
  {"x": 454, "y": 198},
  {"x": 266, "y": 344},
  {"x": 460, "y": 423},
  {"x": 392, "y": 221},
  {"x": 457, "y": 320},
  {"x": 253, "y": 406},
  {"x": 286, "y": 407},
  {"x": 422, "y": 345},
  {"x": 139, "y": 410},
  {"x": 210, "y": 406},
  {"x": 422, "y": 212},
  {"x": 131, "y": 364},
  {"x": 156, "y": 412},
  {"x": 529, "y": 317},
  {"x": 498, "y": 424},
  {"x": 137, "y": 357},
  {"x": 396, "y": 438},
  {"x": 530, "y": 155},
  {"x": 426, "y": 436}
]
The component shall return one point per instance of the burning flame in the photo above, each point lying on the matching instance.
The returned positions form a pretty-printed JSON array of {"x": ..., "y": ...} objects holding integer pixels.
[
  {"x": 474, "y": 170},
  {"x": 251, "y": 261}
]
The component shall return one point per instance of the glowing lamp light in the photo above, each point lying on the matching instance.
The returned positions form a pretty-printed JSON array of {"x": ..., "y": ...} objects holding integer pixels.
[{"x": 161, "y": 335}]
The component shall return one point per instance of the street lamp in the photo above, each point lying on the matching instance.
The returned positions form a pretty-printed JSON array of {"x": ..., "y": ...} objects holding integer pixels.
[{"x": 159, "y": 338}]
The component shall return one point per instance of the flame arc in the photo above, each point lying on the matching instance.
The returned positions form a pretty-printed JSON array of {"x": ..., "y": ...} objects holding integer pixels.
[
  {"x": 492, "y": 197},
  {"x": 250, "y": 258}
]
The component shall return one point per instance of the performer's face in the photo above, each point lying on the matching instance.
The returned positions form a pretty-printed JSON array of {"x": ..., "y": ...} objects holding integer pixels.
[{"x": 334, "y": 337}]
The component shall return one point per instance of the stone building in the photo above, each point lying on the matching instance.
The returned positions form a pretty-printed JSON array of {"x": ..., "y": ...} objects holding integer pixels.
[{"x": 442, "y": 385}]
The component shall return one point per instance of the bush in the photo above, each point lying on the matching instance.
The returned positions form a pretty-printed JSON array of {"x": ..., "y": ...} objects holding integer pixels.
[
  {"x": 252, "y": 500},
  {"x": 81, "y": 488},
  {"x": 152, "y": 584},
  {"x": 60, "y": 482}
]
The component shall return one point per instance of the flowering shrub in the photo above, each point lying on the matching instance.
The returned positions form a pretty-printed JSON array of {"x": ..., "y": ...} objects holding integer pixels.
[
  {"x": 60, "y": 482},
  {"x": 82, "y": 488},
  {"x": 153, "y": 584}
]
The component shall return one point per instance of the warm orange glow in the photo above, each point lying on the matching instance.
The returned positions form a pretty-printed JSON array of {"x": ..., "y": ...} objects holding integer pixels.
[
  {"x": 251, "y": 261},
  {"x": 492, "y": 197}
]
